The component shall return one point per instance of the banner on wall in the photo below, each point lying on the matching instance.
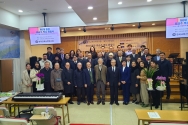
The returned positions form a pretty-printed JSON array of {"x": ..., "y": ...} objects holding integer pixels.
[
  {"x": 85, "y": 45},
  {"x": 9, "y": 44}
]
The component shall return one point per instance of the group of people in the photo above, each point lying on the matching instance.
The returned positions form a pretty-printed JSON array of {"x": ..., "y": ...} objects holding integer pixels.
[{"x": 75, "y": 74}]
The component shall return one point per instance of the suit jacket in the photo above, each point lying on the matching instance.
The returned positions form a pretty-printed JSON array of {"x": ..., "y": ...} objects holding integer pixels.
[
  {"x": 104, "y": 55},
  {"x": 26, "y": 80},
  {"x": 47, "y": 79},
  {"x": 103, "y": 73},
  {"x": 135, "y": 57},
  {"x": 87, "y": 77},
  {"x": 50, "y": 56},
  {"x": 113, "y": 77},
  {"x": 74, "y": 65},
  {"x": 68, "y": 76},
  {"x": 92, "y": 63},
  {"x": 57, "y": 54},
  {"x": 155, "y": 59},
  {"x": 165, "y": 69},
  {"x": 125, "y": 75},
  {"x": 143, "y": 58},
  {"x": 118, "y": 62},
  {"x": 129, "y": 64},
  {"x": 56, "y": 80},
  {"x": 79, "y": 78},
  {"x": 123, "y": 54}
]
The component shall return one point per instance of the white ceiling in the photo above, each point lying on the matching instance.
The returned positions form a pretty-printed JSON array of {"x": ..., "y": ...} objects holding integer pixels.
[
  {"x": 100, "y": 7},
  {"x": 53, "y": 6}
]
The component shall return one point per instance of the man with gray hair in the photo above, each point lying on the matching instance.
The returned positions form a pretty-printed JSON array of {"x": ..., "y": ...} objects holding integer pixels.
[
  {"x": 113, "y": 80},
  {"x": 157, "y": 57},
  {"x": 100, "y": 77},
  {"x": 47, "y": 77}
]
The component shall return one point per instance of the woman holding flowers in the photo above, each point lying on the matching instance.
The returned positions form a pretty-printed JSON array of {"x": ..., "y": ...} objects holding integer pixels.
[
  {"x": 155, "y": 94},
  {"x": 33, "y": 76},
  {"x": 143, "y": 85}
]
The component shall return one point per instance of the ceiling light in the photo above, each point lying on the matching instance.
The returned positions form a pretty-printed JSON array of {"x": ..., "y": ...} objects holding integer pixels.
[
  {"x": 94, "y": 18},
  {"x": 79, "y": 28},
  {"x": 20, "y": 11},
  {"x": 90, "y": 8},
  {"x": 133, "y": 25},
  {"x": 119, "y": 3},
  {"x": 69, "y": 7},
  {"x": 62, "y": 30},
  {"x": 149, "y": 0},
  {"x": 153, "y": 24}
]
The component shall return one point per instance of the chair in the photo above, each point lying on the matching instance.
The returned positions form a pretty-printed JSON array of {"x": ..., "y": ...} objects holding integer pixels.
[
  {"x": 55, "y": 120},
  {"x": 26, "y": 114},
  {"x": 13, "y": 121},
  {"x": 5, "y": 112}
]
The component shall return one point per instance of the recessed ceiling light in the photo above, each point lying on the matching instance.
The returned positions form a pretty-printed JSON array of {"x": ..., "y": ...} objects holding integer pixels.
[
  {"x": 149, "y": 0},
  {"x": 153, "y": 24},
  {"x": 69, "y": 7},
  {"x": 120, "y": 3},
  {"x": 94, "y": 18},
  {"x": 90, "y": 8},
  {"x": 20, "y": 11},
  {"x": 62, "y": 30},
  {"x": 79, "y": 29},
  {"x": 133, "y": 25}
]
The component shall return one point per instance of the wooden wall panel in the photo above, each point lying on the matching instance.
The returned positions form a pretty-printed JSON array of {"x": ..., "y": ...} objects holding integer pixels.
[
  {"x": 166, "y": 45},
  {"x": 67, "y": 43}
]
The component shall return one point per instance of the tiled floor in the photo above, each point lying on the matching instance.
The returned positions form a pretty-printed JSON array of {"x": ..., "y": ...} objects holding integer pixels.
[{"x": 101, "y": 114}]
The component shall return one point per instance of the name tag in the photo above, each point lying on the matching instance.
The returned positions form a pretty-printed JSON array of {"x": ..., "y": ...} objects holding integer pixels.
[{"x": 58, "y": 80}]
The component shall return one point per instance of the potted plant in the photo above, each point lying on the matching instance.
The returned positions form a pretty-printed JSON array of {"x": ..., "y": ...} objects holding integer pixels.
[
  {"x": 161, "y": 85},
  {"x": 40, "y": 81},
  {"x": 149, "y": 74}
]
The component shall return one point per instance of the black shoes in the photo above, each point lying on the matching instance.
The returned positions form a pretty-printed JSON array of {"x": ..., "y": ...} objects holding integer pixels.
[
  {"x": 168, "y": 97},
  {"x": 136, "y": 103},
  {"x": 117, "y": 103},
  {"x": 71, "y": 102},
  {"x": 125, "y": 103},
  {"x": 92, "y": 103},
  {"x": 103, "y": 103},
  {"x": 88, "y": 103},
  {"x": 111, "y": 103},
  {"x": 133, "y": 101},
  {"x": 156, "y": 107},
  {"x": 78, "y": 103},
  {"x": 98, "y": 102}
]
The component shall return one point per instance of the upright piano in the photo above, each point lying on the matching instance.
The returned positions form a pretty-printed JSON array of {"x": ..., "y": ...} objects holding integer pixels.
[{"x": 40, "y": 97}]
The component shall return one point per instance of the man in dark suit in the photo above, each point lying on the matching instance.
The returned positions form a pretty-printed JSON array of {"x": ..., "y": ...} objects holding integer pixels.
[
  {"x": 111, "y": 50},
  {"x": 128, "y": 61},
  {"x": 58, "y": 52},
  {"x": 148, "y": 60},
  {"x": 157, "y": 57},
  {"x": 89, "y": 59},
  {"x": 50, "y": 55},
  {"x": 113, "y": 80},
  {"x": 119, "y": 49},
  {"x": 134, "y": 56},
  {"x": 74, "y": 62},
  {"x": 62, "y": 55},
  {"x": 67, "y": 77},
  {"x": 103, "y": 52},
  {"x": 99, "y": 55},
  {"x": 119, "y": 58},
  {"x": 65, "y": 60},
  {"x": 165, "y": 69},
  {"x": 89, "y": 81},
  {"x": 82, "y": 60},
  {"x": 141, "y": 53},
  {"x": 143, "y": 57}
]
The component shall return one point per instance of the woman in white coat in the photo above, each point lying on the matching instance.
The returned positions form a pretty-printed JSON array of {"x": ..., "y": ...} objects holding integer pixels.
[
  {"x": 33, "y": 76},
  {"x": 26, "y": 80}
]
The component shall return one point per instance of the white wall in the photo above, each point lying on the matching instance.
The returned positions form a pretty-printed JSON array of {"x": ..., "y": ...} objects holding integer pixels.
[
  {"x": 9, "y": 19},
  {"x": 121, "y": 15}
]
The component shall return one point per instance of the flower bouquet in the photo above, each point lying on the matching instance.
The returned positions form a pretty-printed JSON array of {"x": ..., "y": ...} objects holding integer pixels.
[
  {"x": 40, "y": 82},
  {"x": 160, "y": 85},
  {"x": 149, "y": 74}
]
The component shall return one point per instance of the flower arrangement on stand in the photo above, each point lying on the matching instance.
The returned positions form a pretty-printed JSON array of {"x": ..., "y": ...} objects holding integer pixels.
[
  {"x": 161, "y": 85},
  {"x": 40, "y": 82},
  {"x": 149, "y": 74}
]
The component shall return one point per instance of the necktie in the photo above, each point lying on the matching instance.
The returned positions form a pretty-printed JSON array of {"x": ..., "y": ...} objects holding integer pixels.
[{"x": 91, "y": 76}]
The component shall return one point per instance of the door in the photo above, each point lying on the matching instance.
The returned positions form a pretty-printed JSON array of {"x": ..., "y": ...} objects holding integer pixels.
[{"x": 6, "y": 70}]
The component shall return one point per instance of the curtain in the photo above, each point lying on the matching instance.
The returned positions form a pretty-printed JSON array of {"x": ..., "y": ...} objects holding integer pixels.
[{"x": 16, "y": 74}]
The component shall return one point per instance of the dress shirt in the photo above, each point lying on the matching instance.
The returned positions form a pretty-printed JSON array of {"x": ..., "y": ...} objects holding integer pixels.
[
  {"x": 113, "y": 68},
  {"x": 133, "y": 55},
  {"x": 158, "y": 58},
  {"x": 123, "y": 68},
  {"x": 128, "y": 64},
  {"x": 120, "y": 58},
  {"x": 129, "y": 52}
]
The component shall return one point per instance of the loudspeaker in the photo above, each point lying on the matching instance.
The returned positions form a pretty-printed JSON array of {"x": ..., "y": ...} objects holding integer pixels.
[
  {"x": 184, "y": 71},
  {"x": 33, "y": 59}
]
